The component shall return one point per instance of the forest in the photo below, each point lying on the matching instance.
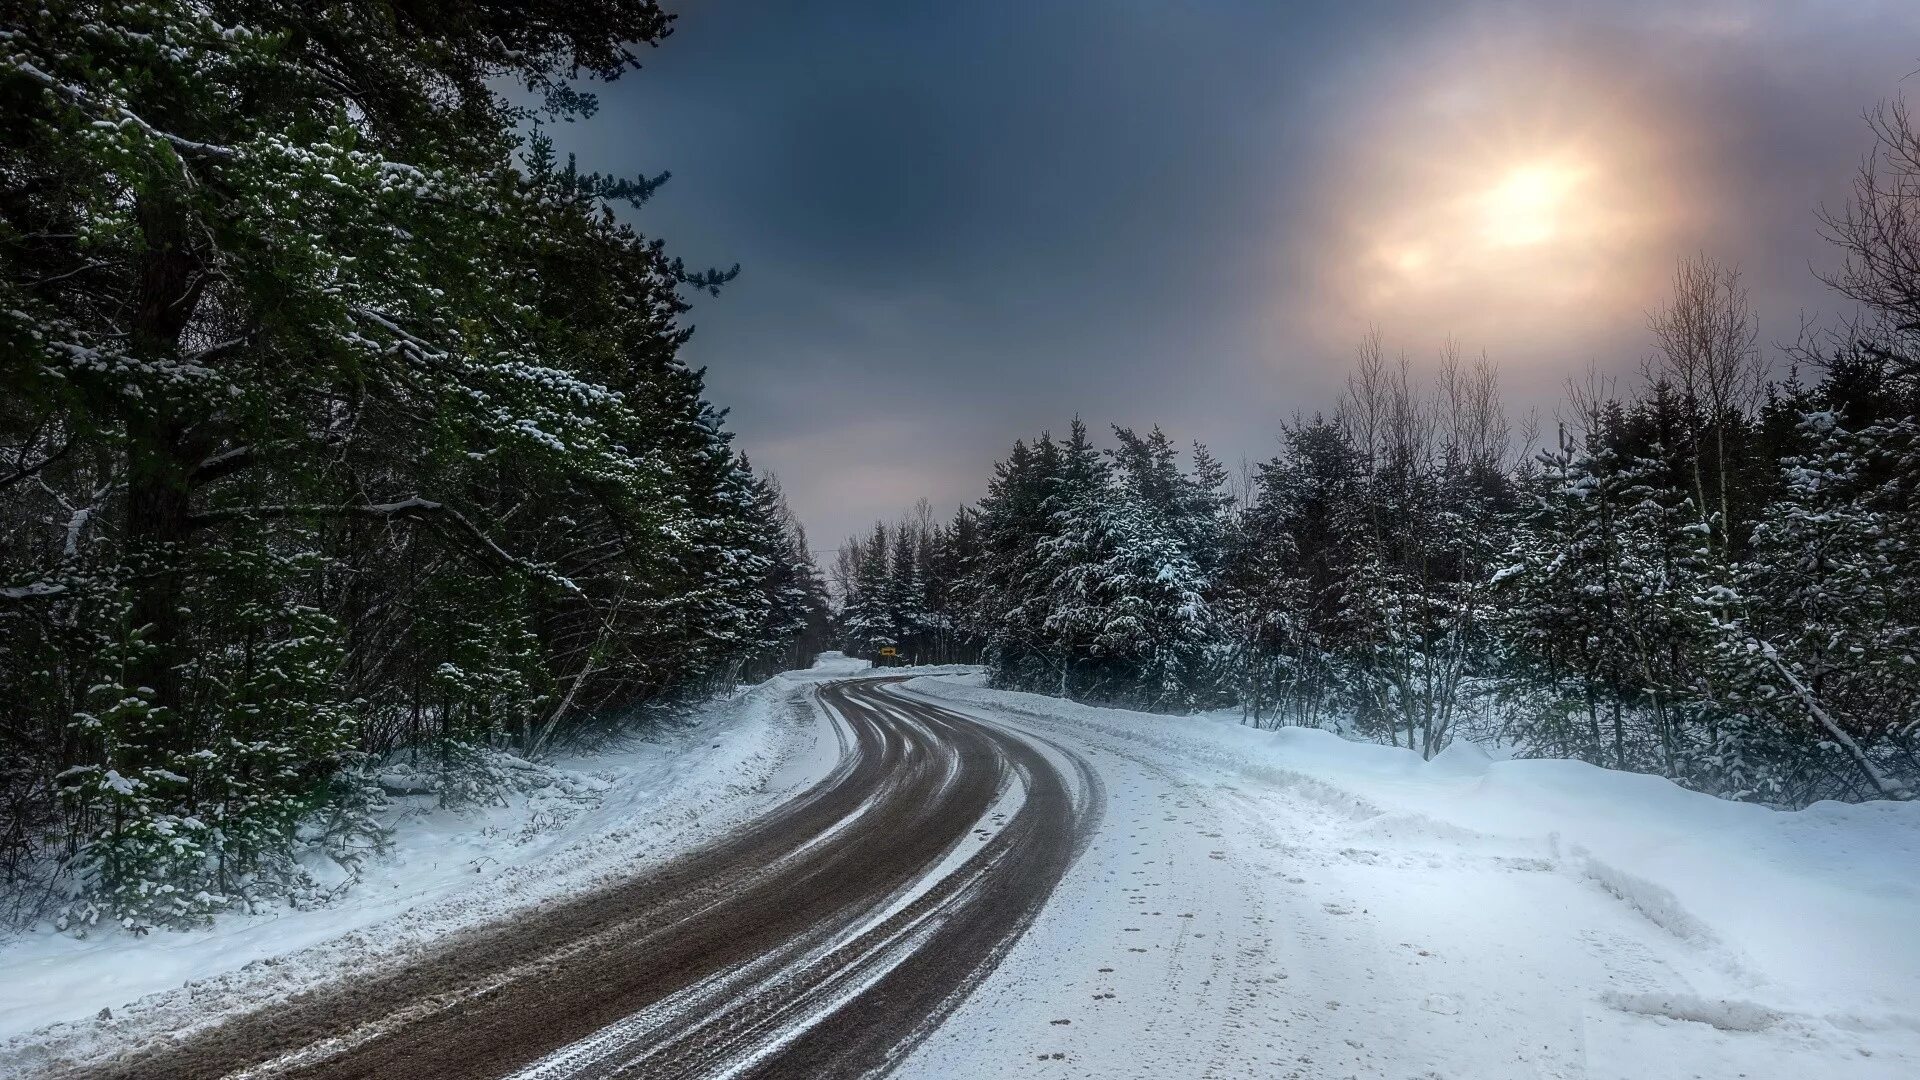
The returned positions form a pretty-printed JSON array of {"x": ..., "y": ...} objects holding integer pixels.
[
  {"x": 1398, "y": 547},
  {"x": 340, "y": 420},
  {"x": 343, "y": 420},
  {"x": 1708, "y": 570}
]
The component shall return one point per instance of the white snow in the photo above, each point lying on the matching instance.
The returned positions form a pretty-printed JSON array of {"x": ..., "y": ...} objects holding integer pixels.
[
  {"x": 580, "y": 822},
  {"x": 1255, "y": 903},
  {"x": 836, "y": 969},
  {"x": 1292, "y": 904},
  {"x": 837, "y": 665}
]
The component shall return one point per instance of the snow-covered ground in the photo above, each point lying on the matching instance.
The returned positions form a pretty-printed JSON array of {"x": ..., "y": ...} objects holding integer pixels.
[
  {"x": 574, "y": 823},
  {"x": 1277, "y": 904},
  {"x": 1290, "y": 904}
]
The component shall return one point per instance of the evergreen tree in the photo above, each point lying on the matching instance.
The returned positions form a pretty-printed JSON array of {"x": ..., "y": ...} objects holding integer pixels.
[
  {"x": 1822, "y": 653},
  {"x": 338, "y": 416},
  {"x": 906, "y": 599},
  {"x": 867, "y": 614}
]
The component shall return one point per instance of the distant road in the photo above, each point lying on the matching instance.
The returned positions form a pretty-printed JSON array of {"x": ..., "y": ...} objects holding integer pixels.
[{"x": 826, "y": 940}]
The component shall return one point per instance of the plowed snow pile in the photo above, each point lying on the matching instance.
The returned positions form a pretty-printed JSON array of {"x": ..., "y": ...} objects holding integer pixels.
[
  {"x": 563, "y": 827},
  {"x": 1291, "y": 904},
  {"x": 1282, "y": 904}
]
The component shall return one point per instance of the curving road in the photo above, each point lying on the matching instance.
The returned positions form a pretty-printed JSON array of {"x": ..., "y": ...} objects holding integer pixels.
[{"x": 827, "y": 939}]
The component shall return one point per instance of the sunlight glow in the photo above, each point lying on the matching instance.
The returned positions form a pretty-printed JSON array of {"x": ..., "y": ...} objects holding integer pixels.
[
  {"x": 1510, "y": 222},
  {"x": 1531, "y": 204},
  {"x": 1506, "y": 195}
]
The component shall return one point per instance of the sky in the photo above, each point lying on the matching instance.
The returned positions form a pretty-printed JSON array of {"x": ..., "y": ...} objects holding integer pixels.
[{"x": 960, "y": 224}]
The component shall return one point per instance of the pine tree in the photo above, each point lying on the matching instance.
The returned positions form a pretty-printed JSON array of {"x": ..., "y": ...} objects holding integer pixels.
[
  {"x": 1822, "y": 652},
  {"x": 867, "y": 616},
  {"x": 1283, "y": 589},
  {"x": 340, "y": 416},
  {"x": 905, "y": 590}
]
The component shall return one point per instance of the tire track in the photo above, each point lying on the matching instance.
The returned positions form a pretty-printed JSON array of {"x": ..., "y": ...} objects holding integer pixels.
[{"x": 826, "y": 939}]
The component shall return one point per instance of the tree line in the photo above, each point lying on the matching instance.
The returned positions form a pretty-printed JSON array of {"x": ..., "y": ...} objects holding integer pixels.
[
  {"x": 1704, "y": 572},
  {"x": 899, "y": 588},
  {"x": 339, "y": 419}
]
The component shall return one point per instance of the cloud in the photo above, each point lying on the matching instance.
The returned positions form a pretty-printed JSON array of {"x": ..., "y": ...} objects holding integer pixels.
[{"x": 962, "y": 223}]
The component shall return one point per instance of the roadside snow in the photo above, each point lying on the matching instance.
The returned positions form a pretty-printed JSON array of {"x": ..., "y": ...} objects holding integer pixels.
[
  {"x": 575, "y": 823},
  {"x": 1283, "y": 904},
  {"x": 832, "y": 665},
  {"x": 1292, "y": 904}
]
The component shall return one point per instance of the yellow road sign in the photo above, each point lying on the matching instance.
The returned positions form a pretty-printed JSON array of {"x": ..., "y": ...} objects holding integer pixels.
[{"x": 889, "y": 651}]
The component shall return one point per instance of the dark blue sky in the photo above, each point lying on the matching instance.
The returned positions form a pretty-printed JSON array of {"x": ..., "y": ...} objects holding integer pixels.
[{"x": 961, "y": 223}]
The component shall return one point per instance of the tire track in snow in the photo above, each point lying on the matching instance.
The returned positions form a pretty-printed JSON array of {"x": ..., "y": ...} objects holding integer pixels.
[{"x": 828, "y": 938}]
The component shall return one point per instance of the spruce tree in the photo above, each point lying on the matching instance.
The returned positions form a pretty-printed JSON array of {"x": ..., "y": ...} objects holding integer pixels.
[{"x": 340, "y": 416}]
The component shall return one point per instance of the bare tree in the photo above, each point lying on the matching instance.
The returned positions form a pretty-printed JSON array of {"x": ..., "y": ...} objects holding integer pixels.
[
  {"x": 844, "y": 572},
  {"x": 1879, "y": 230},
  {"x": 1428, "y": 584},
  {"x": 1363, "y": 410},
  {"x": 1587, "y": 397},
  {"x": 1242, "y": 486},
  {"x": 1468, "y": 406},
  {"x": 1708, "y": 343},
  {"x": 1412, "y": 418}
]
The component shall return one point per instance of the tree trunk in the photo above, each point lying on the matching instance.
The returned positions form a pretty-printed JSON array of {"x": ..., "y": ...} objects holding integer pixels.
[
  {"x": 161, "y": 456},
  {"x": 1619, "y": 734}
]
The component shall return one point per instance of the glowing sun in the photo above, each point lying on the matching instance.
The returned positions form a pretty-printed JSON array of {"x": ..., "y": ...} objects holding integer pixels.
[
  {"x": 1531, "y": 204},
  {"x": 1505, "y": 191},
  {"x": 1511, "y": 189}
]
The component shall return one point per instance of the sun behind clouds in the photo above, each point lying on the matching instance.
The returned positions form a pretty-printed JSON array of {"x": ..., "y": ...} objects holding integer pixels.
[
  {"x": 1506, "y": 197},
  {"x": 1510, "y": 220},
  {"x": 1532, "y": 204},
  {"x": 1480, "y": 222}
]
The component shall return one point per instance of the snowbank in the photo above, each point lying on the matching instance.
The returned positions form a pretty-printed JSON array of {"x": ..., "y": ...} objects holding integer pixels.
[
  {"x": 1804, "y": 923},
  {"x": 833, "y": 665},
  {"x": 838, "y": 665},
  {"x": 567, "y": 826}
]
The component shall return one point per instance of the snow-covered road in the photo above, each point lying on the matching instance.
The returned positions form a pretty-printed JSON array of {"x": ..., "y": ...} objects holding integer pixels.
[
  {"x": 822, "y": 938},
  {"x": 1327, "y": 909},
  {"x": 939, "y": 880}
]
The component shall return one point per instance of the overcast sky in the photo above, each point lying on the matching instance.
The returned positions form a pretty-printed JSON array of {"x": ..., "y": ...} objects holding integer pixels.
[{"x": 962, "y": 223}]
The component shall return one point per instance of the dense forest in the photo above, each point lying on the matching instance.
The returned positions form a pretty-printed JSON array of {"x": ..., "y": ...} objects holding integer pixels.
[
  {"x": 342, "y": 420},
  {"x": 339, "y": 419},
  {"x": 1709, "y": 570},
  {"x": 898, "y": 588}
]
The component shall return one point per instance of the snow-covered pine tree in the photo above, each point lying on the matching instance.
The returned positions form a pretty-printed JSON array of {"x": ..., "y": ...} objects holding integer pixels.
[
  {"x": 1282, "y": 589},
  {"x": 867, "y": 610},
  {"x": 1821, "y": 648},
  {"x": 906, "y": 592},
  {"x": 1006, "y": 597},
  {"x": 1086, "y": 582},
  {"x": 339, "y": 415}
]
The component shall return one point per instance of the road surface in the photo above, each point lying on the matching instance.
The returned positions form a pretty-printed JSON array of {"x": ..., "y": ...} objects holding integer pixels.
[
  {"x": 827, "y": 939},
  {"x": 998, "y": 885}
]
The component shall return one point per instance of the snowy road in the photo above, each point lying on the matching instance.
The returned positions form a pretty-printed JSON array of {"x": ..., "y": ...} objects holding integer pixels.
[
  {"x": 824, "y": 940},
  {"x": 991, "y": 884},
  {"x": 1306, "y": 908},
  {"x": 1204, "y": 935}
]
